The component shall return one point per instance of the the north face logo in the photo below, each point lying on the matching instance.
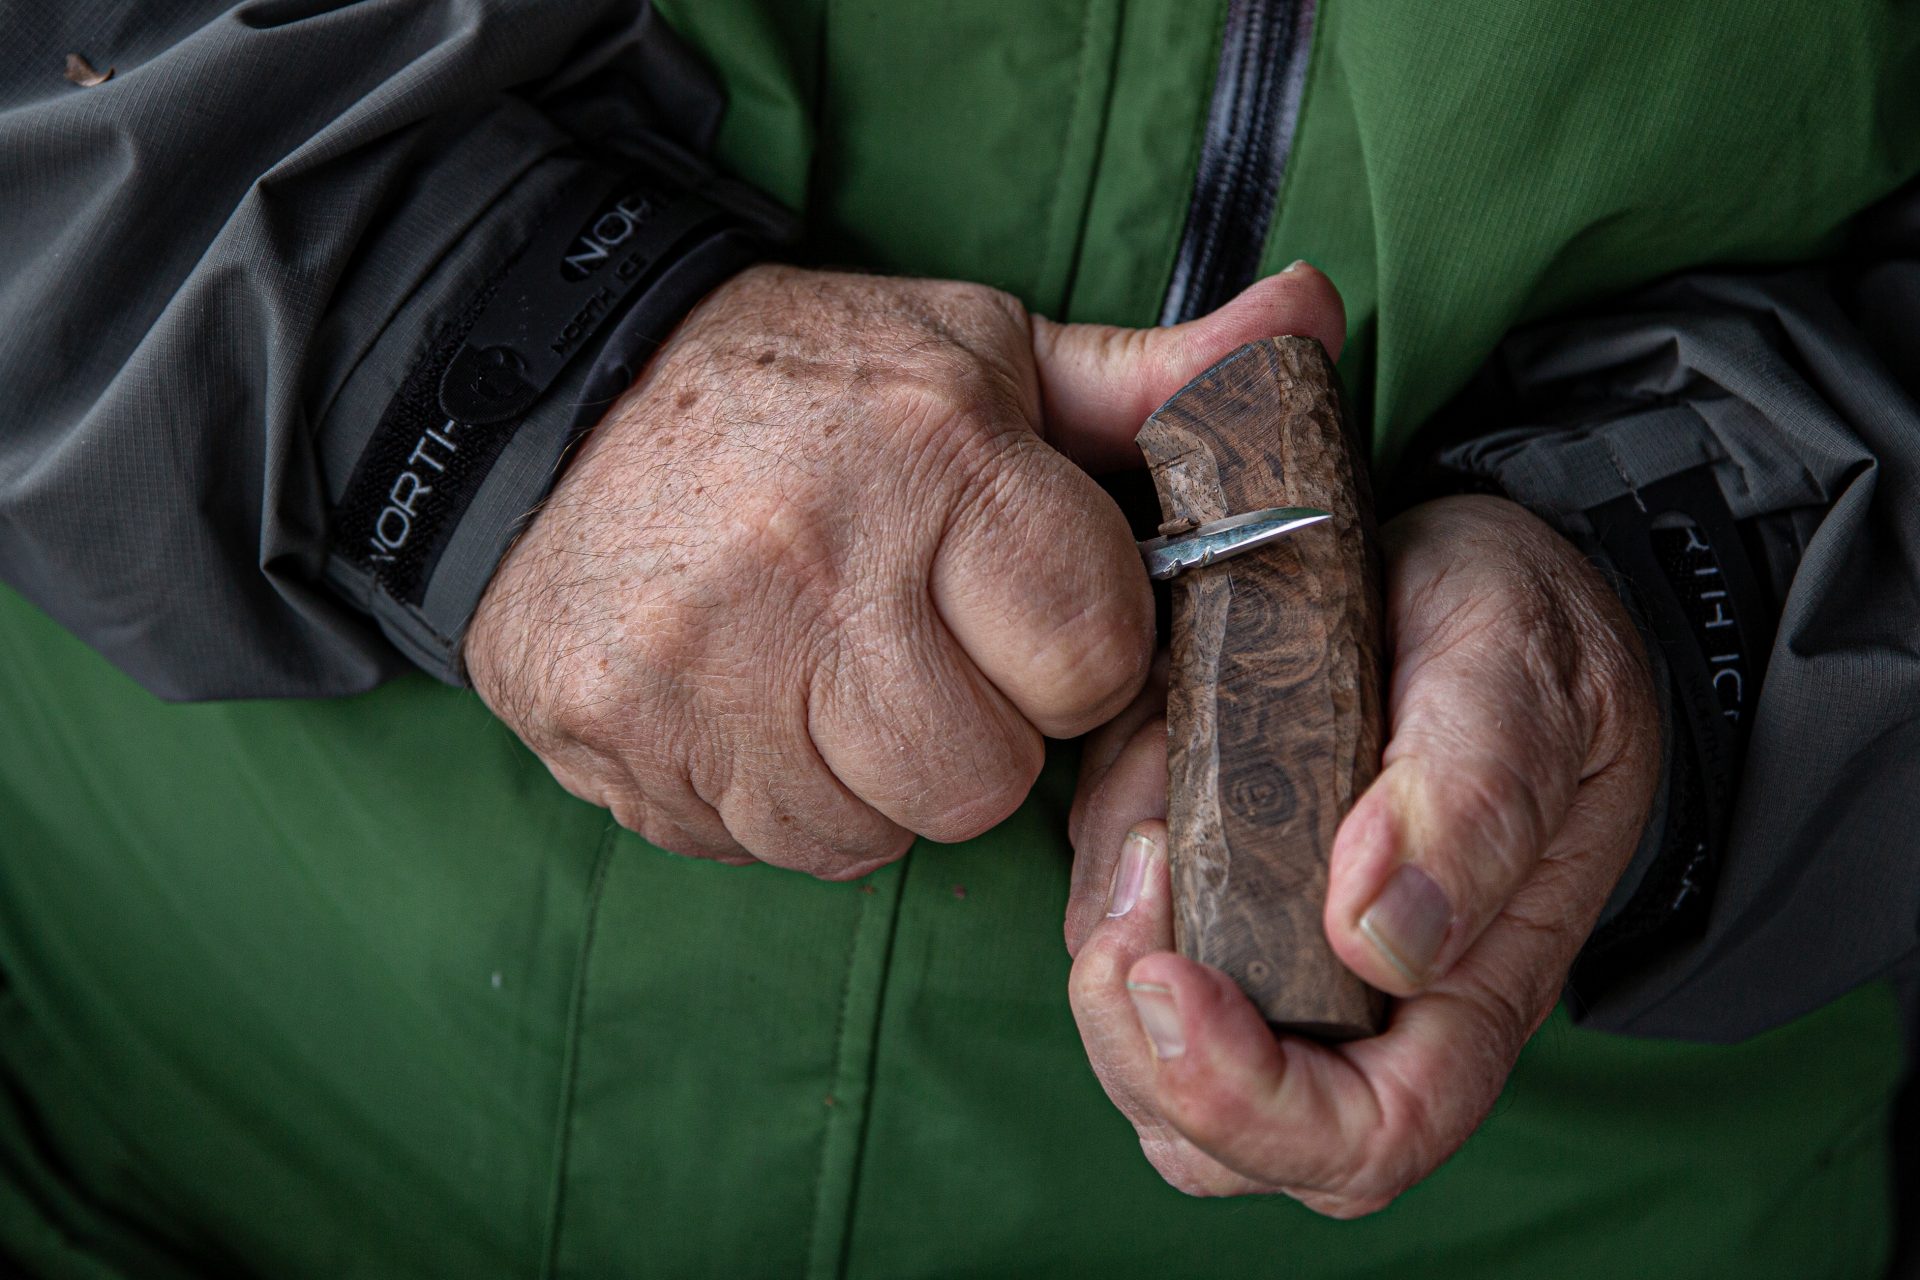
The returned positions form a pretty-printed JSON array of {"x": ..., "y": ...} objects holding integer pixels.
[{"x": 610, "y": 228}]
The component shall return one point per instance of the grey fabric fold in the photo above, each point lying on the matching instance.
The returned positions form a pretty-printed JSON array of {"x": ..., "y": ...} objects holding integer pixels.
[
  {"x": 206, "y": 271},
  {"x": 1789, "y": 386}
]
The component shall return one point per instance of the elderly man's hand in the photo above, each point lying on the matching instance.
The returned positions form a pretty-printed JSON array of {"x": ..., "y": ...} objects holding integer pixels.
[
  {"x": 826, "y": 575},
  {"x": 1521, "y": 765}
]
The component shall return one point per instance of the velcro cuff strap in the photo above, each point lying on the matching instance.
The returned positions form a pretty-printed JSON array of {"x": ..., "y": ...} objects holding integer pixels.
[
  {"x": 596, "y": 251},
  {"x": 618, "y": 259}
]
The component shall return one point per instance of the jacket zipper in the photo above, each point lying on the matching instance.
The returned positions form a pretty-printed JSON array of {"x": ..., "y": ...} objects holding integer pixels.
[{"x": 1250, "y": 128}]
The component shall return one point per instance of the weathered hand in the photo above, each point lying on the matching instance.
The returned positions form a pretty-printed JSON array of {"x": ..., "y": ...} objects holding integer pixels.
[
  {"x": 829, "y": 571},
  {"x": 1523, "y": 753}
]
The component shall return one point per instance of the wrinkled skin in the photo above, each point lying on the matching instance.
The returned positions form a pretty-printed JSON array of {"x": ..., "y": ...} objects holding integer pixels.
[
  {"x": 829, "y": 572},
  {"x": 1522, "y": 759}
]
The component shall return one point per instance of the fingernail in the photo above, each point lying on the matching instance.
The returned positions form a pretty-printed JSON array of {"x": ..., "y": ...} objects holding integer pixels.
[
  {"x": 1131, "y": 875},
  {"x": 1159, "y": 1018},
  {"x": 1408, "y": 921},
  {"x": 1294, "y": 266}
]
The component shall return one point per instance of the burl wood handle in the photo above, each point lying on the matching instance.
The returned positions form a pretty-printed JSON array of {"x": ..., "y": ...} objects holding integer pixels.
[{"x": 1274, "y": 708}]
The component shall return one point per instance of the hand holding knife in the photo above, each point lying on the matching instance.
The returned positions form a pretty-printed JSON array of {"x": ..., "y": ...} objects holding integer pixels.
[
  {"x": 1274, "y": 704},
  {"x": 1466, "y": 874}
]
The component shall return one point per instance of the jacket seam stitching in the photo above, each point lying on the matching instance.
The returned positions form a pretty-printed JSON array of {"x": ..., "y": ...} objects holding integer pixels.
[
  {"x": 869, "y": 1086},
  {"x": 1066, "y": 238},
  {"x": 570, "y": 1067},
  {"x": 833, "y": 1080}
]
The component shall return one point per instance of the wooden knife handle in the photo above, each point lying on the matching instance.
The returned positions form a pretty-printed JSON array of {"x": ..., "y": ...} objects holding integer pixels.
[{"x": 1274, "y": 704}]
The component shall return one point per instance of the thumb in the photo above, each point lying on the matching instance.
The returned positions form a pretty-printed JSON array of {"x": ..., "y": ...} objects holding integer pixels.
[{"x": 1098, "y": 383}]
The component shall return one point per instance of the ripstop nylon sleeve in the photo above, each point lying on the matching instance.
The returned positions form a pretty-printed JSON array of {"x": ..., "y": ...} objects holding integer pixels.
[
  {"x": 1741, "y": 452},
  {"x": 233, "y": 277}
]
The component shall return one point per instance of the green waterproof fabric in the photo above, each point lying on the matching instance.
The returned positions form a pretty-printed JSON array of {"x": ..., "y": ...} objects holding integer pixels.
[
  {"x": 349, "y": 989},
  {"x": 1459, "y": 168},
  {"x": 352, "y": 989}
]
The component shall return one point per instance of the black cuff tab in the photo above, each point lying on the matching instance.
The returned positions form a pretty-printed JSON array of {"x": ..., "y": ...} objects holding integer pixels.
[
  {"x": 622, "y": 256},
  {"x": 416, "y": 476},
  {"x": 594, "y": 252},
  {"x": 1676, "y": 542}
]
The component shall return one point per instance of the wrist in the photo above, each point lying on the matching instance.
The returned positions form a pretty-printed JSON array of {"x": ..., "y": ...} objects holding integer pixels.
[{"x": 537, "y": 322}]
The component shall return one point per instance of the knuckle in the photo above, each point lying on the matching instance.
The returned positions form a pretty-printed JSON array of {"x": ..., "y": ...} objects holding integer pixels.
[
  {"x": 997, "y": 486},
  {"x": 1413, "y": 1125},
  {"x": 632, "y": 816},
  {"x": 1180, "y": 1175},
  {"x": 1346, "y": 1208},
  {"x": 1214, "y": 1117},
  {"x": 1500, "y": 816},
  {"x": 1618, "y": 689},
  {"x": 843, "y": 870},
  {"x": 1065, "y": 583},
  {"x": 1429, "y": 1111},
  {"x": 1370, "y": 1191},
  {"x": 1509, "y": 1001},
  {"x": 998, "y": 783},
  {"x": 868, "y": 851},
  {"x": 835, "y": 855},
  {"x": 579, "y": 718},
  {"x": 776, "y": 538},
  {"x": 1099, "y": 973},
  {"x": 1556, "y": 651},
  {"x": 1093, "y": 660},
  {"x": 615, "y": 693},
  {"x": 976, "y": 320},
  {"x": 1577, "y": 644},
  {"x": 961, "y": 406},
  {"x": 958, "y": 304},
  {"x": 955, "y": 821},
  {"x": 666, "y": 632},
  {"x": 639, "y": 817},
  {"x": 614, "y": 723},
  {"x": 1125, "y": 347}
]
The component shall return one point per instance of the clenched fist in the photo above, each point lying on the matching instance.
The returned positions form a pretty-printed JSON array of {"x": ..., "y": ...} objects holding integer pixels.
[{"x": 826, "y": 575}]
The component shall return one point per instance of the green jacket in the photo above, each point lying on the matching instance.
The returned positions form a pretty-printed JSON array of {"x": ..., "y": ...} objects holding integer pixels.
[
  {"x": 348, "y": 986},
  {"x": 1457, "y": 171}
]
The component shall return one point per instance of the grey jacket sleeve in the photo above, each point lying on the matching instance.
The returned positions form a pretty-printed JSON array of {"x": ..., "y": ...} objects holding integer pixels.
[
  {"x": 1742, "y": 453},
  {"x": 301, "y": 308}
]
